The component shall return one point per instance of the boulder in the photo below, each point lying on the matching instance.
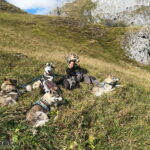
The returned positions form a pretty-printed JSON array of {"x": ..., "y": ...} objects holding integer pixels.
[{"x": 137, "y": 45}]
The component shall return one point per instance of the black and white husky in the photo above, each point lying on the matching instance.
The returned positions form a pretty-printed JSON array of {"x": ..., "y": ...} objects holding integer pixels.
[{"x": 47, "y": 80}]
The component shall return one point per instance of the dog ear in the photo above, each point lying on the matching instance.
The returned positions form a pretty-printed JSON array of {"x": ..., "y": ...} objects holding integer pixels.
[
  {"x": 55, "y": 88},
  {"x": 5, "y": 79},
  {"x": 110, "y": 76},
  {"x": 51, "y": 64},
  {"x": 11, "y": 81},
  {"x": 47, "y": 64}
]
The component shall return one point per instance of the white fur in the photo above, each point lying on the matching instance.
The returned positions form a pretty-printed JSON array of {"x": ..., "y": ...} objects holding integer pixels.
[
  {"x": 42, "y": 118},
  {"x": 8, "y": 99},
  {"x": 49, "y": 68},
  {"x": 106, "y": 86},
  {"x": 36, "y": 84},
  {"x": 29, "y": 88}
]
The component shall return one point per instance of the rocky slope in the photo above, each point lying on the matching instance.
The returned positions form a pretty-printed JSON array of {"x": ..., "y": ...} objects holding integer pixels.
[
  {"x": 129, "y": 12},
  {"x": 77, "y": 9},
  {"x": 137, "y": 45},
  {"x": 116, "y": 13}
]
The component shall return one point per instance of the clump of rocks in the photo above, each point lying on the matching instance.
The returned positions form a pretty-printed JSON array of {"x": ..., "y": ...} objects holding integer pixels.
[{"x": 137, "y": 45}]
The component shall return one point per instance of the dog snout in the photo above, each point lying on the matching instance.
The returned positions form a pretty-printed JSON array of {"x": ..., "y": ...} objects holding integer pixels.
[
  {"x": 116, "y": 79},
  {"x": 60, "y": 98},
  {"x": 49, "y": 71}
]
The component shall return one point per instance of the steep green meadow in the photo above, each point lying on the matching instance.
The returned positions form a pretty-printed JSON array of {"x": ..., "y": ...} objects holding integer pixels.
[{"x": 116, "y": 121}]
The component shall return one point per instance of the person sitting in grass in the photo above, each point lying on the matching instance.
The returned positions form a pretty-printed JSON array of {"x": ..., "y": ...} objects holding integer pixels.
[{"x": 76, "y": 74}]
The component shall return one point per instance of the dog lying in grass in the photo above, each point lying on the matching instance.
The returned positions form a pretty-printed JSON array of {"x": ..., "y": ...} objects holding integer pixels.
[
  {"x": 108, "y": 85},
  {"x": 46, "y": 82},
  {"x": 37, "y": 115},
  {"x": 9, "y": 92}
]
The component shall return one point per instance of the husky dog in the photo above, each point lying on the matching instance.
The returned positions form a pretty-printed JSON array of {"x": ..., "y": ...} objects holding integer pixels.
[
  {"x": 46, "y": 81},
  {"x": 9, "y": 93},
  {"x": 37, "y": 115},
  {"x": 109, "y": 84}
]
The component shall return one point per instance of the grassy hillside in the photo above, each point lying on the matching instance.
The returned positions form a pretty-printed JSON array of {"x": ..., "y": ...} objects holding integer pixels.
[
  {"x": 78, "y": 9},
  {"x": 116, "y": 121},
  {"x": 4, "y": 6}
]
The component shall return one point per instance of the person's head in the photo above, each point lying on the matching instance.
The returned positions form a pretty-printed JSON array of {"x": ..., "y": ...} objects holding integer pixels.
[{"x": 71, "y": 64}]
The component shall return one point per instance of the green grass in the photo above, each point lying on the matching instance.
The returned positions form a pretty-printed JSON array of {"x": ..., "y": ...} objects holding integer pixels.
[
  {"x": 80, "y": 10},
  {"x": 116, "y": 121},
  {"x": 141, "y": 10}
]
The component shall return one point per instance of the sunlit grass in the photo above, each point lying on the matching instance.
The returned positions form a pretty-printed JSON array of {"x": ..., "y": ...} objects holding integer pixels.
[{"x": 119, "y": 120}]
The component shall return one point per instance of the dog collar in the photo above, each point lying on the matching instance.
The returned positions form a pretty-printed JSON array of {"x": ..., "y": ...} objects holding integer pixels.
[{"x": 44, "y": 106}]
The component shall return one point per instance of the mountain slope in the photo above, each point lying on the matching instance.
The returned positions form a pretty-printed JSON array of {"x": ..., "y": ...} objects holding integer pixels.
[
  {"x": 108, "y": 12},
  {"x": 76, "y": 9},
  {"x": 5, "y": 6},
  {"x": 119, "y": 120}
]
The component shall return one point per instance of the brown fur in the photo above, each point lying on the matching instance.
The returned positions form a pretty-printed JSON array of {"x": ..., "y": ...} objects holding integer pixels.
[
  {"x": 31, "y": 112},
  {"x": 8, "y": 93},
  {"x": 8, "y": 85},
  {"x": 37, "y": 114}
]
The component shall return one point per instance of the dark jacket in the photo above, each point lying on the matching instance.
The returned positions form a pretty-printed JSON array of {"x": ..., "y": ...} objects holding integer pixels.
[{"x": 73, "y": 71}]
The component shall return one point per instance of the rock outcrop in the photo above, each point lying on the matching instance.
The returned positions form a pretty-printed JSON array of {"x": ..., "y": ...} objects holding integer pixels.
[
  {"x": 137, "y": 45},
  {"x": 109, "y": 12},
  {"x": 131, "y": 12},
  {"x": 116, "y": 13}
]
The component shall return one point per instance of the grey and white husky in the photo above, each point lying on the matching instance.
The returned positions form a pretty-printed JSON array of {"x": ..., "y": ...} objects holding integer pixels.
[
  {"x": 108, "y": 85},
  {"x": 37, "y": 115}
]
